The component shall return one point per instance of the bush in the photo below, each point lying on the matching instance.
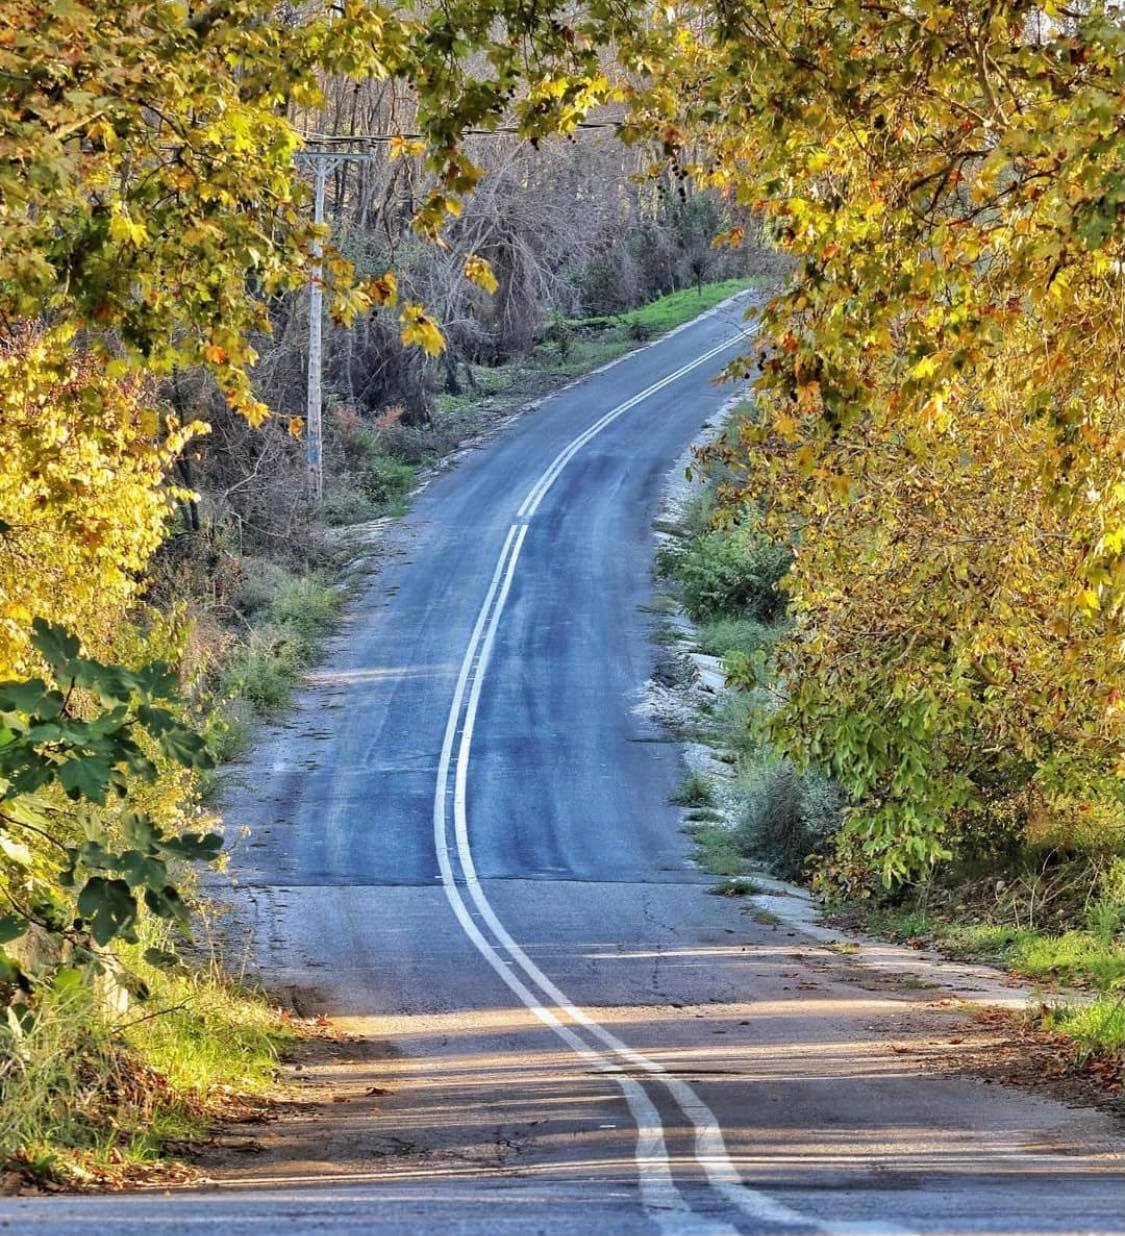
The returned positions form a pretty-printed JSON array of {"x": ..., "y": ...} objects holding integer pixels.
[
  {"x": 261, "y": 580},
  {"x": 562, "y": 334},
  {"x": 267, "y": 666},
  {"x": 345, "y": 504},
  {"x": 731, "y": 572},
  {"x": 694, "y": 791},
  {"x": 385, "y": 480},
  {"x": 265, "y": 669},
  {"x": 786, "y": 815},
  {"x": 724, "y": 635},
  {"x": 418, "y": 444},
  {"x": 307, "y": 605},
  {"x": 84, "y": 1088}
]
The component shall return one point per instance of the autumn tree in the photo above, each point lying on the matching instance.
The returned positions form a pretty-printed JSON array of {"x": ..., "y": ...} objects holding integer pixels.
[{"x": 940, "y": 420}]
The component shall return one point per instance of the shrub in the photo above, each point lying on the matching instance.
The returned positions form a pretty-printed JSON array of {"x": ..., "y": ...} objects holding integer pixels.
[
  {"x": 83, "y": 1087},
  {"x": 731, "y": 571},
  {"x": 308, "y": 606},
  {"x": 562, "y": 334},
  {"x": 418, "y": 444},
  {"x": 386, "y": 480},
  {"x": 265, "y": 669},
  {"x": 346, "y": 504},
  {"x": 694, "y": 791},
  {"x": 261, "y": 581},
  {"x": 724, "y": 635},
  {"x": 786, "y": 815}
]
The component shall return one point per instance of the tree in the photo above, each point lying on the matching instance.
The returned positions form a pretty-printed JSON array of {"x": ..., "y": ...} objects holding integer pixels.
[{"x": 940, "y": 428}]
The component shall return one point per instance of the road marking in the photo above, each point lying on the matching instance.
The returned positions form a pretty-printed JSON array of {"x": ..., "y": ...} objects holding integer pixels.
[
  {"x": 659, "y": 1194},
  {"x": 539, "y": 490}
]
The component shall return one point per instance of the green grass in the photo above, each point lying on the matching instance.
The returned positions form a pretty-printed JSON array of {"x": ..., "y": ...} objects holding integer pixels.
[
  {"x": 89, "y": 1090},
  {"x": 728, "y": 633},
  {"x": 1096, "y": 1027},
  {"x": 293, "y": 617},
  {"x": 215, "y": 1034},
  {"x": 590, "y": 342},
  {"x": 766, "y": 917},
  {"x": 668, "y": 312},
  {"x": 694, "y": 791},
  {"x": 716, "y": 850},
  {"x": 736, "y": 886},
  {"x": 1079, "y": 958}
]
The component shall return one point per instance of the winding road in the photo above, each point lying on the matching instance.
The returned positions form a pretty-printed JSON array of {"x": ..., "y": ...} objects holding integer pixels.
[{"x": 463, "y": 850}]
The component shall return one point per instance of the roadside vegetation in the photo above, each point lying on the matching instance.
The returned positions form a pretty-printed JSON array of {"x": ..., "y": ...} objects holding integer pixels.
[
  {"x": 1048, "y": 913},
  {"x": 98, "y": 1094},
  {"x": 105, "y": 1074}
]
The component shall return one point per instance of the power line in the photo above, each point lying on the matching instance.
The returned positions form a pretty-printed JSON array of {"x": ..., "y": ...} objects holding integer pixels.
[{"x": 379, "y": 139}]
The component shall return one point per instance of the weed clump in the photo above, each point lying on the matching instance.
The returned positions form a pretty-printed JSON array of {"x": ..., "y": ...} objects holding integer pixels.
[
  {"x": 694, "y": 791},
  {"x": 786, "y": 816},
  {"x": 730, "y": 572}
]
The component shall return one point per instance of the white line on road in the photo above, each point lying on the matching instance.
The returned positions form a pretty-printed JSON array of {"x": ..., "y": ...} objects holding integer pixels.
[
  {"x": 543, "y": 484},
  {"x": 659, "y": 1194}
]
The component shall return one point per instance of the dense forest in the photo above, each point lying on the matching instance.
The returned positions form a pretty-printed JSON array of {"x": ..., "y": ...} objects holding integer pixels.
[{"x": 924, "y": 501}]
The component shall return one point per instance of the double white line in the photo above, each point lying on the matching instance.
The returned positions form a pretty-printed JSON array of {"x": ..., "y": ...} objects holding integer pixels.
[
  {"x": 539, "y": 490},
  {"x": 586, "y": 1037}
]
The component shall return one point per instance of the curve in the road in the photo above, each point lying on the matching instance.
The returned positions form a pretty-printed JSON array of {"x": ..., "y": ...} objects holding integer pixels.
[{"x": 659, "y": 1194}]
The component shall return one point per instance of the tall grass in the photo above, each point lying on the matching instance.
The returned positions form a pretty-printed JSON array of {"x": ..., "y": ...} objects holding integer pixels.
[
  {"x": 294, "y": 617},
  {"x": 84, "y": 1084}
]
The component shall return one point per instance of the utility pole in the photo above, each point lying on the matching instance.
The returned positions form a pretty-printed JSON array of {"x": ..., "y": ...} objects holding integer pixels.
[
  {"x": 314, "y": 425},
  {"x": 321, "y": 161}
]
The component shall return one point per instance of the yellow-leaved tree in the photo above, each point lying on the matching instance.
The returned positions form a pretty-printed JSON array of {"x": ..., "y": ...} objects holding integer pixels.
[
  {"x": 941, "y": 403},
  {"x": 83, "y": 463}
]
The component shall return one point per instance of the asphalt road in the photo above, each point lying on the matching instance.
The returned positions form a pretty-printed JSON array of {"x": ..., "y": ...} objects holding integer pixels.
[{"x": 463, "y": 850}]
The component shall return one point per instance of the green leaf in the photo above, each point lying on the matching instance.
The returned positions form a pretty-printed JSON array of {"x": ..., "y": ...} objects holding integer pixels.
[
  {"x": 166, "y": 902},
  {"x": 157, "y": 680},
  {"x": 32, "y": 697},
  {"x": 186, "y": 747},
  {"x": 139, "y": 830},
  {"x": 161, "y": 958},
  {"x": 67, "y": 980},
  {"x": 85, "y": 776},
  {"x": 57, "y": 646},
  {"x": 12, "y": 926},
  {"x": 109, "y": 906},
  {"x": 156, "y": 720},
  {"x": 142, "y": 869},
  {"x": 110, "y": 683},
  {"x": 33, "y": 773},
  {"x": 10, "y": 971},
  {"x": 194, "y": 847}
]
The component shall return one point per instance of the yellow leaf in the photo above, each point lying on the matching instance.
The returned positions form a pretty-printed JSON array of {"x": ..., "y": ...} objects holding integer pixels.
[
  {"x": 383, "y": 290},
  {"x": 479, "y": 271},
  {"x": 404, "y": 147},
  {"x": 124, "y": 230},
  {"x": 420, "y": 330},
  {"x": 1088, "y": 600}
]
